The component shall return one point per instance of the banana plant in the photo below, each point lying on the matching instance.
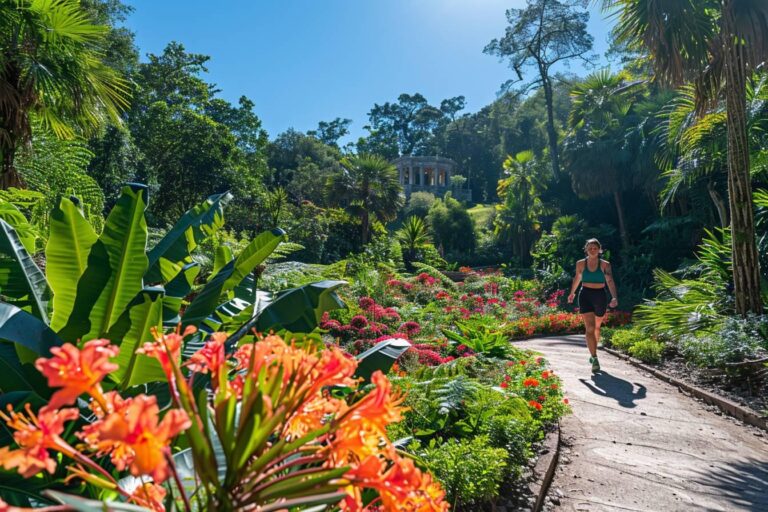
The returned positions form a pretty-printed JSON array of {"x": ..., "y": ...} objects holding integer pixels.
[{"x": 109, "y": 285}]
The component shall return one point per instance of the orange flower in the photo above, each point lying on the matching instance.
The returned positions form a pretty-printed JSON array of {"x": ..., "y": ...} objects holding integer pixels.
[
  {"x": 536, "y": 405},
  {"x": 132, "y": 433},
  {"x": 167, "y": 348},
  {"x": 362, "y": 429},
  {"x": 77, "y": 371},
  {"x": 210, "y": 358},
  {"x": 149, "y": 496},
  {"x": 401, "y": 486},
  {"x": 530, "y": 382},
  {"x": 35, "y": 435}
]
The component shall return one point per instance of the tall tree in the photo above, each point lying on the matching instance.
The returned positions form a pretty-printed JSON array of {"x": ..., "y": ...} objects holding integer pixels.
[
  {"x": 329, "y": 132},
  {"x": 369, "y": 185},
  {"x": 517, "y": 217},
  {"x": 51, "y": 67},
  {"x": 596, "y": 148},
  {"x": 192, "y": 143},
  {"x": 715, "y": 44},
  {"x": 410, "y": 122},
  {"x": 544, "y": 33}
]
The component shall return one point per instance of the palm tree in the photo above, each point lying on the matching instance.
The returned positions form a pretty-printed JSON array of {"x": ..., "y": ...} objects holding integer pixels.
[
  {"x": 369, "y": 185},
  {"x": 714, "y": 44},
  {"x": 413, "y": 236},
  {"x": 51, "y": 67},
  {"x": 695, "y": 152},
  {"x": 597, "y": 149},
  {"x": 517, "y": 217}
]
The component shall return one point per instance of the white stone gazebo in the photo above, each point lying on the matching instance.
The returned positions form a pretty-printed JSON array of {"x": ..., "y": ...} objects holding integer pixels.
[{"x": 428, "y": 174}]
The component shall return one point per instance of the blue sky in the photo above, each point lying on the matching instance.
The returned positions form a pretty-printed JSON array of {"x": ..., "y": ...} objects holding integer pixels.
[{"x": 305, "y": 61}]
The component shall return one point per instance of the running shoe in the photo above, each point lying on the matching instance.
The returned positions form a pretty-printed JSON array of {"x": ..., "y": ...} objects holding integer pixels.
[{"x": 595, "y": 364}]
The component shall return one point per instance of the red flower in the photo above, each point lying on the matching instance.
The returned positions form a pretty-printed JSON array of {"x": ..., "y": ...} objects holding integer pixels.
[
  {"x": 359, "y": 322},
  {"x": 565, "y": 401},
  {"x": 504, "y": 384},
  {"x": 536, "y": 405},
  {"x": 366, "y": 303}
]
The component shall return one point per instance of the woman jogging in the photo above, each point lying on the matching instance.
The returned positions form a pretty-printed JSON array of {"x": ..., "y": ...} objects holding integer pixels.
[{"x": 594, "y": 274}]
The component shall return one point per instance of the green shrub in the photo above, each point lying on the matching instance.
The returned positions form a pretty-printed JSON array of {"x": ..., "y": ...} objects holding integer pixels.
[
  {"x": 514, "y": 435},
  {"x": 736, "y": 340},
  {"x": 625, "y": 338},
  {"x": 647, "y": 350},
  {"x": 470, "y": 470},
  {"x": 606, "y": 335}
]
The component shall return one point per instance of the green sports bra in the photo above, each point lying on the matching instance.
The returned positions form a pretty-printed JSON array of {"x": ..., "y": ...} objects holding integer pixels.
[{"x": 597, "y": 277}]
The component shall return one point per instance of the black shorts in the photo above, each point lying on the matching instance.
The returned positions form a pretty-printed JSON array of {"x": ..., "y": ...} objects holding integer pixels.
[{"x": 593, "y": 300}]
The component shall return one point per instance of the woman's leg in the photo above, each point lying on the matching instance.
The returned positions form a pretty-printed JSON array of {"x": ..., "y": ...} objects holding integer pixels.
[
  {"x": 589, "y": 324},
  {"x": 598, "y": 323}
]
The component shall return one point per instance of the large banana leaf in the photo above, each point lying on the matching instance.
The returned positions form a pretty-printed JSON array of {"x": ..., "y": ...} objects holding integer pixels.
[
  {"x": 380, "y": 357},
  {"x": 20, "y": 278},
  {"x": 296, "y": 310},
  {"x": 24, "y": 329},
  {"x": 70, "y": 240},
  {"x": 231, "y": 275},
  {"x": 133, "y": 329},
  {"x": 125, "y": 240},
  {"x": 193, "y": 227},
  {"x": 19, "y": 380},
  {"x": 27, "y": 232},
  {"x": 175, "y": 291}
]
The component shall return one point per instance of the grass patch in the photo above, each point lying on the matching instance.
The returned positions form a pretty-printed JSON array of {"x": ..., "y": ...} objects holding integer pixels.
[{"x": 480, "y": 214}]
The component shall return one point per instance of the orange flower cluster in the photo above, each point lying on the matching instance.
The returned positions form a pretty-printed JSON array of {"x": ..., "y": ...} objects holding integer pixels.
[
  {"x": 357, "y": 437},
  {"x": 35, "y": 435},
  {"x": 77, "y": 371},
  {"x": 292, "y": 386},
  {"x": 131, "y": 433},
  {"x": 128, "y": 430}
]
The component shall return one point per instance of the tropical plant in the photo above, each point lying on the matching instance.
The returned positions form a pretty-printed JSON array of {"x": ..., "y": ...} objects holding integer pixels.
[
  {"x": 715, "y": 44},
  {"x": 52, "y": 67},
  {"x": 695, "y": 151},
  {"x": 265, "y": 436},
  {"x": 596, "y": 148},
  {"x": 109, "y": 286},
  {"x": 482, "y": 339},
  {"x": 413, "y": 237},
  {"x": 470, "y": 470},
  {"x": 55, "y": 168},
  {"x": 369, "y": 185},
  {"x": 517, "y": 217}
]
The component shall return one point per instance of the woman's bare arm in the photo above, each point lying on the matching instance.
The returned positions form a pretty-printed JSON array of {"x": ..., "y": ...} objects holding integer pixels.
[
  {"x": 576, "y": 280},
  {"x": 610, "y": 282}
]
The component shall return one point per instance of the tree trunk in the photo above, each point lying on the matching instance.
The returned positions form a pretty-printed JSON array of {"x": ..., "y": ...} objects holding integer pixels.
[
  {"x": 622, "y": 225},
  {"x": 551, "y": 133},
  {"x": 365, "y": 222},
  {"x": 9, "y": 176},
  {"x": 722, "y": 211},
  {"x": 746, "y": 271}
]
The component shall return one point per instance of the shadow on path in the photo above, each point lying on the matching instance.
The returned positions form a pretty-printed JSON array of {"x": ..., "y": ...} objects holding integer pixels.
[
  {"x": 605, "y": 384},
  {"x": 742, "y": 483}
]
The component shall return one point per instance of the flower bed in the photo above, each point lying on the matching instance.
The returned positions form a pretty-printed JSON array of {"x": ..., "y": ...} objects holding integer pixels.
[{"x": 476, "y": 403}]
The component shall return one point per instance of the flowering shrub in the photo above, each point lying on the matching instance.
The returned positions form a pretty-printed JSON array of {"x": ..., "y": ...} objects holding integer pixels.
[{"x": 287, "y": 442}]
